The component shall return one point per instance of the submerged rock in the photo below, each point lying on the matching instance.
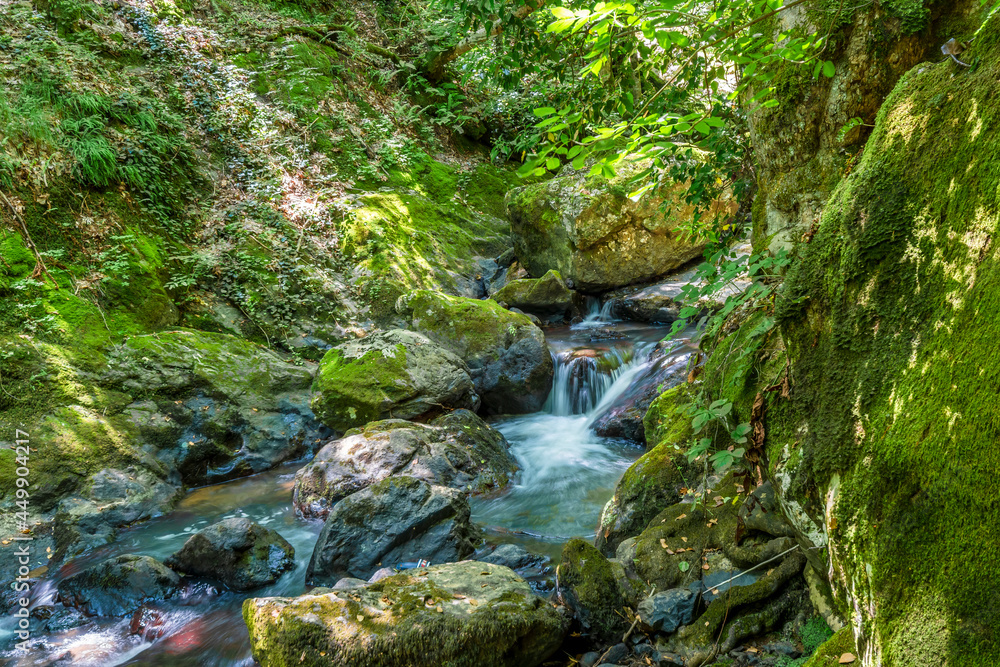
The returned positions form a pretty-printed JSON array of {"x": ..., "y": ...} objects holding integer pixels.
[
  {"x": 111, "y": 499},
  {"x": 400, "y": 519},
  {"x": 547, "y": 297},
  {"x": 389, "y": 374},
  {"x": 458, "y": 449},
  {"x": 238, "y": 552},
  {"x": 466, "y": 614},
  {"x": 506, "y": 353},
  {"x": 119, "y": 586},
  {"x": 590, "y": 231}
]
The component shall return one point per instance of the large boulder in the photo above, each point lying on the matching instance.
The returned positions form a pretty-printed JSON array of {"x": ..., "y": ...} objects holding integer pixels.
[
  {"x": 238, "y": 552},
  {"x": 389, "y": 374},
  {"x": 884, "y": 453},
  {"x": 507, "y": 356},
  {"x": 654, "y": 481},
  {"x": 400, "y": 519},
  {"x": 589, "y": 230},
  {"x": 466, "y": 614},
  {"x": 547, "y": 297},
  {"x": 212, "y": 406},
  {"x": 457, "y": 449},
  {"x": 119, "y": 586}
]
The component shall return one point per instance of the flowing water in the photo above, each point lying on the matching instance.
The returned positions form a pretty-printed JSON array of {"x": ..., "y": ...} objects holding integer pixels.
[{"x": 567, "y": 475}]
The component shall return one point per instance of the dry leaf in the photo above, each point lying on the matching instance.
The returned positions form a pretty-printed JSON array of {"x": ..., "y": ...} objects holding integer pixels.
[
  {"x": 440, "y": 610},
  {"x": 684, "y": 540},
  {"x": 706, "y": 566},
  {"x": 360, "y": 618},
  {"x": 847, "y": 659},
  {"x": 680, "y": 517}
]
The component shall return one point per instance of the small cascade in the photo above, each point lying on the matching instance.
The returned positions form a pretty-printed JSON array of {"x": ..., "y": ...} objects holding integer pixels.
[
  {"x": 598, "y": 314},
  {"x": 586, "y": 378}
]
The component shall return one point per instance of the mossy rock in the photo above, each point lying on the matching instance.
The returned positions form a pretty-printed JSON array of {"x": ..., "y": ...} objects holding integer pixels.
[
  {"x": 508, "y": 359},
  {"x": 389, "y": 374},
  {"x": 466, "y": 614},
  {"x": 547, "y": 297},
  {"x": 594, "y": 235},
  {"x": 653, "y": 482},
  {"x": 588, "y": 582},
  {"x": 828, "y": 653},
  {"x": 885, "y": 448}
]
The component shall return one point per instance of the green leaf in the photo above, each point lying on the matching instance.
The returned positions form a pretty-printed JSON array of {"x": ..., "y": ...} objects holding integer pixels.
[
  {"x": 552, "y": 164},
  {"x": 683, "y": 566},
  {"x": 542, "y": 112},
  {"x": 561, "y": 13},
  {"x": 829, "y": 69}
]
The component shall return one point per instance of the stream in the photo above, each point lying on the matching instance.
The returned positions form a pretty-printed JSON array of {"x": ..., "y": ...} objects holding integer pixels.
[{"x": 567, "y": 475}]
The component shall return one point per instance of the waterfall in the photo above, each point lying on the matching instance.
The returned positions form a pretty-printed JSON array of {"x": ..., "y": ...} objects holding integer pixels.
[{"x": 588, "y": 381}]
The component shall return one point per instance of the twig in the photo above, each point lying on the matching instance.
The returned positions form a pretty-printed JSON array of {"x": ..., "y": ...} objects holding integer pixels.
[
  {"x": 31, "y": 244},
  {"x": 636, "y": 621}
]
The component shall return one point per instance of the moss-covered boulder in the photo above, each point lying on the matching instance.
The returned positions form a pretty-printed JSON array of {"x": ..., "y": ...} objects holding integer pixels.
[
  {"x": 389, "y": 374},
  {"x": 830, "y": 652},
  {"x": 885, "y": 451},
  {"x": 589, "y": 586},
  {"x": 397, "y": 520},
  {"x": 547, "y": 297},
  {"x": 507, "y": 356},
  {"x": 594, "y": 235},
  {"x": 466, "y": 614},
  {"x": 240, "y": 553},
  {"x": 654, "y": 481},
  {"x": 457, "y": 449},
  {"x": 213, "y": 406}
]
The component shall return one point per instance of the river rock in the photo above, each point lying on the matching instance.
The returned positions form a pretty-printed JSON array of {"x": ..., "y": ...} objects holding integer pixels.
[
  {"x": 547, "y": 297},
  {"x": 119, "y": 586},
  {"x": 109, "y": 500},
  {"x": 238, "y": 552},
  {"x": 590, "y": 587},
  {"x": 513, "y": 556},
  {"x": 653, "y": 482},
  {"x": 389, "y": 374},
  {"x": 468, "y": 614},
  {"x": 506, "y": 353},
  {"x": 624, "y": 419},
  {"x": 400, "y": 519},
  {"x": 589, "y": 230},
  {"x": 665, "y": 612},
  {"x": 458, "y": 449},
  {"x": 212, "y": 407}
]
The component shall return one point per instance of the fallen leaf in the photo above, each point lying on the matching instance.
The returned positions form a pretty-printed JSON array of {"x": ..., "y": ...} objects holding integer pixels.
[
  {"x": 473, "y": 602},
  {"x": 440, "y": 610},
  {"x": 680, "y": 517},
  {"x": 847, "y": 659},
  {"x": 684, "y": 540},
  {"x": 706, "y": 566},
  {"x": 360, "y": 618},
  {"x": 715, "y": 591}
]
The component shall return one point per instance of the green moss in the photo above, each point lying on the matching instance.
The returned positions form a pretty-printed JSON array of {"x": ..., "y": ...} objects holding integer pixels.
[
  {"x": 354, "y": 391},
  {"x": 890, "y": 319},
  {"x": 829, "y": 652},
  {"x": 595, "y": 595}
]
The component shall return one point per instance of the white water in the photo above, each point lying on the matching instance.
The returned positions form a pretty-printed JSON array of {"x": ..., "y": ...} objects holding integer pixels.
[{"x": 568, "y": 472}]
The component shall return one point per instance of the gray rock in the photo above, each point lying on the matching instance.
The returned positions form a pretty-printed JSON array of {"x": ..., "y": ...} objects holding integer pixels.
[
  {"x": 389, "y": 374},
  {"x": 397, "y": 520},
  {"x": 512, "y": 556},
  {"x": 111, "y": 499},
  {"x": 466, "y": 613},
  {"x": 615, "y": 654},
  {"x": 547, "y": 297},
  {"x": 119, "y": 586},
  {"x": 665, "y": 612},
  {"x": 458, "y": 449},
  {"x": 590, "y": 659},
  {"x": 238, "y": 552}
]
